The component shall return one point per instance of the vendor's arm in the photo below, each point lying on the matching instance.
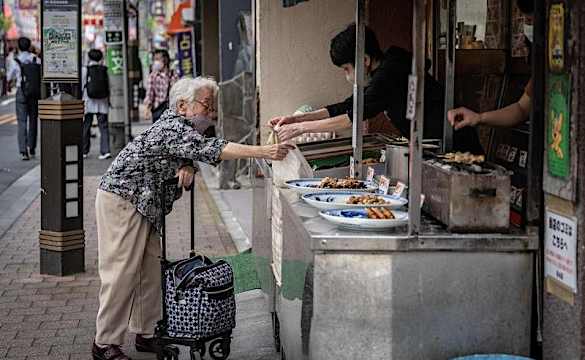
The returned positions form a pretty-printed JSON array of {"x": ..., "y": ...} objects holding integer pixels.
[
  {"x": 290, "y": 131},
  {"x": 510, "y": 116},
  {"x": 290, "y": 119}
]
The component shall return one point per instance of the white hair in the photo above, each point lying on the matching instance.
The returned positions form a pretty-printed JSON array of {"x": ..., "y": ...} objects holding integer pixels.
[{"x": 188, "y": 89}]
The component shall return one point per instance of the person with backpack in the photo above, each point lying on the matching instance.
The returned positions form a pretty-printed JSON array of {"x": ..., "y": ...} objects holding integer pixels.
[
  {"x": 158, "y": 85},
  {"x": 96, "y": 95},
  {"x": 26, "y": 71}
]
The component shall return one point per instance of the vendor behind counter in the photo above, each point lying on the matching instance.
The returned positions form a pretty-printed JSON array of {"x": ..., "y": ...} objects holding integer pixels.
[{"x": 386, "y": 92}]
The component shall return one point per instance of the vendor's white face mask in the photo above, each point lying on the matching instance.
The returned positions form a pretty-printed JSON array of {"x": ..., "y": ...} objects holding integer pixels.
[
  {"x": 529, "y": 32},
  {"x": 350, "y": 77}
]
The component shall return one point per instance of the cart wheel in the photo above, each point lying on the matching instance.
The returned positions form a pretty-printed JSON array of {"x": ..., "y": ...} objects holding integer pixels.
[
  {"x": 219, "y": 349},
  {"x": 195, "y": 354}
]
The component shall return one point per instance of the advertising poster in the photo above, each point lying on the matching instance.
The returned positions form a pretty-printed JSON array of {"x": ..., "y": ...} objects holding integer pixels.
[
  {"x": 60, "y": 38},
  {"x": 558, "y": 126},
  {"x": 556, "y": 38}
]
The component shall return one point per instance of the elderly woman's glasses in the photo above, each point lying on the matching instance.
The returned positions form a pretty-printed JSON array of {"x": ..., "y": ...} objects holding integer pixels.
[{"x": 207, "y": 107}]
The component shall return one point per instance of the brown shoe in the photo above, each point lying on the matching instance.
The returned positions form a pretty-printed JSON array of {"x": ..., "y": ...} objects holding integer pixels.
[
  {"x": 146, "y": 344},
  {"x": 110, "y": 352}
]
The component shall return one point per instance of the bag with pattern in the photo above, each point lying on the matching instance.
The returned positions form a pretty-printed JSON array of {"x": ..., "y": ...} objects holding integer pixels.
[{"x": 199, "y": 299}]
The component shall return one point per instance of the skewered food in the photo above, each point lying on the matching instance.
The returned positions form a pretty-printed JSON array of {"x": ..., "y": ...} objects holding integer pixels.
[
  {"x": 379, "y": 213},
  {"x": 366, "y": 200},
  {"x": 347, "y": 183},
  {"x": 370, "y": 161},
  {"x": 463, "y": 158}
]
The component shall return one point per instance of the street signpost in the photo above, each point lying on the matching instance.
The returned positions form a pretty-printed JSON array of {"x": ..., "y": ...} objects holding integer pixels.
[
  {"x": 61, "y": 238},
  {"x": 114, "y": 26}
]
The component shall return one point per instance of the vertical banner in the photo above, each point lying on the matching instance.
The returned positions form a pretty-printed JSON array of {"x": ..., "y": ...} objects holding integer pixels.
[
  {"x": 558, "y": 126},
  {"x": 115, "y": 60},
  {"x": 185, "y": 53},
  {"x": 60, "y": 40},
  {"x": 556, "y": 38}
]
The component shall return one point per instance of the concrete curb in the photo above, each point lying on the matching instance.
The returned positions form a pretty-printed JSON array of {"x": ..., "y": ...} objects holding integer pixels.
[
  {"x": 239, "y": 237},
  {"x": 18, "y": 197}
]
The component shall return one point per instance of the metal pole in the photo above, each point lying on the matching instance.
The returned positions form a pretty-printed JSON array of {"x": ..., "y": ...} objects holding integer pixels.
[
  {"x": 449, "y": 74},
  {"x": 416, "y": 114},
  {"x": 358, "y": 90},
  {"x": 125, "y": 74}
]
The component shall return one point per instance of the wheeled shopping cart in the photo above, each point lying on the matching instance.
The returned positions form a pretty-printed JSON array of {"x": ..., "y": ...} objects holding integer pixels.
[{"x": 198, "y": 303}]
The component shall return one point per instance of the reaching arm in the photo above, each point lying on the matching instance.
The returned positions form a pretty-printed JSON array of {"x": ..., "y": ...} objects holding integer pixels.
[
  {"x": 310, "y": 116},
  {"x": 234, "y": 151},
  {"x": 290, "y": 131},
  {"x": 510, "y": 116}
]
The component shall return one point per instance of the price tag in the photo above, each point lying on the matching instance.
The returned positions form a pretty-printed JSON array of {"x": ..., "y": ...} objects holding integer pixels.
[
  {"x": 371, "y": 173},
  {"x": 351, "y": 167},
  {"x": 384, "y": 184},
  {"x": 382, "y": 156},
  {"x": 399, "y": 189}
]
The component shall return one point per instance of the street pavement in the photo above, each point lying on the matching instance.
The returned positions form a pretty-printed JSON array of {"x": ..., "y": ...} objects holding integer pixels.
[{"x": 48, "y": 317}]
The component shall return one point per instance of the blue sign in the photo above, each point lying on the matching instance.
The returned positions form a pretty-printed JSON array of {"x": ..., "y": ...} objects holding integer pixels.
[{"x": 185, "y": 54}]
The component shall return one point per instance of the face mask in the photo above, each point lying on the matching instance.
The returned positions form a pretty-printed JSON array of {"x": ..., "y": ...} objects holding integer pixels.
[
  {"x": 351, "y": 78},
  {"x": 529, "y": 32},
  {"x": 157, "y": 66},
  {"x": 201, "y": 123}
]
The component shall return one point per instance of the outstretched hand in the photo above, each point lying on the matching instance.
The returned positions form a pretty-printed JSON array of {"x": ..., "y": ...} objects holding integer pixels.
[{"x": 462, "y": 117}]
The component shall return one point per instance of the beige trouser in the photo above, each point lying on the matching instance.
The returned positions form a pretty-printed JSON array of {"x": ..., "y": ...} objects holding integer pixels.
[{"x": 129, "y": 269}]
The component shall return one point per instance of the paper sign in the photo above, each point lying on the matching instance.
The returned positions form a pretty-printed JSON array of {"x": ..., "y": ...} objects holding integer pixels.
[
  {"x": 351, "y": 167},
  {"x": 399, "y": 189},
  {"x": 384, "y": 184},
  {"x": 560, "y": 249},
  {"x": 422, "y": 200},
  {"x": 371, "y": 173},
  {"x": 411, "y": 99},
  {"x": 60, "y": 40}
]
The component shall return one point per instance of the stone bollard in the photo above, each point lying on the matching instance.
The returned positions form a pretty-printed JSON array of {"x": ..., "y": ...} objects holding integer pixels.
[{"x": 62, "y": 238}]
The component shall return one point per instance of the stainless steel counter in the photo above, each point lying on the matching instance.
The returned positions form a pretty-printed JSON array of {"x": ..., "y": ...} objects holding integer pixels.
[{"x": 347, "y": 294}]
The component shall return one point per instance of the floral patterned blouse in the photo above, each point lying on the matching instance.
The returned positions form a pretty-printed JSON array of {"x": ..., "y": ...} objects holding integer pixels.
[{"x": 139, "y": 171}]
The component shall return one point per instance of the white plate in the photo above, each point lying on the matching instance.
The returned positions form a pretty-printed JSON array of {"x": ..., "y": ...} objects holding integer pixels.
[
  {"x": 304, "y": 186},
  {"x": 360, "y": 221},
  {"x": 338, "y": 200}
]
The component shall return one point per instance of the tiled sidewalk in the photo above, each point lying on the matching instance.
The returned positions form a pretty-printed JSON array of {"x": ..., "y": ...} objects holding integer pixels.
[{"x": 46, "y": 317}]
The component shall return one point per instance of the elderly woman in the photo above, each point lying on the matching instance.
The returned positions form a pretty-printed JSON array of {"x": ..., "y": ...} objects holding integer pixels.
[{"x": 128, "y": 211}]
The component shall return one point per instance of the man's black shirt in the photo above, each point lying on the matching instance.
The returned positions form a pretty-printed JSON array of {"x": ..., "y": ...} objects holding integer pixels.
[{"x": 387, "y": 92}]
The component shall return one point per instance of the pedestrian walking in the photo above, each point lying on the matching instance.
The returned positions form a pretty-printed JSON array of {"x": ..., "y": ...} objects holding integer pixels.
[
  {"x": 159, "y": 82},
  {"x": 25, "y": 70},
  {"x": 128, "y": 212},
  {"x": 96, "y": 93}
]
